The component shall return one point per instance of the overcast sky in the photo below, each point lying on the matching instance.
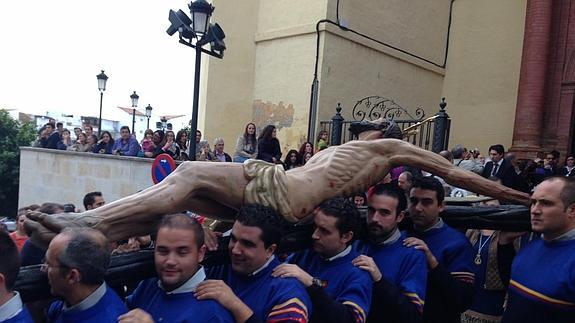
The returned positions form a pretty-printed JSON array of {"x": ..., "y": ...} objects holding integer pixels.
[{"x": 51, "y": 52}]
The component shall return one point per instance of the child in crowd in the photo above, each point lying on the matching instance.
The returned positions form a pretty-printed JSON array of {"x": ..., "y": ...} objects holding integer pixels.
[{"x": 322, "y": 140}]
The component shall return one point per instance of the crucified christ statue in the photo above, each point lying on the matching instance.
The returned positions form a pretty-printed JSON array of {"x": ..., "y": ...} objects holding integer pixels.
[{"x": 218, "y": 190}]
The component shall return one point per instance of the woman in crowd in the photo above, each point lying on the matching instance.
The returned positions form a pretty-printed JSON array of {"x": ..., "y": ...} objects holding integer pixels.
[
  {"x": 291, "y": 160},
  {"x": 168, "y": 146},
  {"x": 322, "y": 140},
  {"x": 157, "y": 139},
  {"x": 81, "y": 144},
  {"x": 269, "y": 146},
  {"x": 246, "y": 145},
  {"x": 205, "y": 153},
  {"x": 304, "y": 149},
  {"x": 77, "y": 132},
  {"x": 147, "y": 144},
  {"x": 105, "y": 144},
  {"x": 65, "y": 140},
  {"x": 569, "y": 168},
  {"x": 182, "y": 143},
  {"x": 92, "y": 141},
  {"x": 19, "y": 236}
]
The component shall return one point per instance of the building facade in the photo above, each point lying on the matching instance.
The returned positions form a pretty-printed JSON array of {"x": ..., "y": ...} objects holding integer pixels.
[{"x": 505, "y": 67}]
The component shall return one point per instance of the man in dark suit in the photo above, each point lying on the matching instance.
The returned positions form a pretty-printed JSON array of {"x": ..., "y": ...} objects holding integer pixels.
[
  {"x": 499, "y": 167},
  {"x": 50, "y": 137},
  {"x": 569, "y": 168}
]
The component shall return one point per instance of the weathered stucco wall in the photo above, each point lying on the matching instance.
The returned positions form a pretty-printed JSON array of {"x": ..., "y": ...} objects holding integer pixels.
[
  {"x": 283, "y": 78},
  {"x": 266, "y": 72},
  {"x": 48, "y": 175},
  {"x": 416, "y": 26},
  {"x": 483, "y": 71},
  {"x": 353, "y": 68},
  {"x": 268, "y": 69},
  {"x": 227, "y": 84},
  {"x": 271, "y": 55},
  {"x": 277, "y": 15}
]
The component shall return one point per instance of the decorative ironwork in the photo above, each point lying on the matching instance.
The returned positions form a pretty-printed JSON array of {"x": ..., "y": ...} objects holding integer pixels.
[
  {"x": 375, "y": 107},
  {"x": 430, "y": 133}
]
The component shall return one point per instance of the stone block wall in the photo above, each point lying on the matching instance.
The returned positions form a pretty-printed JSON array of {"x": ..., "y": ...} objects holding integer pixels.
[{"x": 58, "y": 176}]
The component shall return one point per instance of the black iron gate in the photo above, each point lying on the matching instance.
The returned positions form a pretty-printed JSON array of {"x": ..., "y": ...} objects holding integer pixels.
[{"x": 430, "y": 133}]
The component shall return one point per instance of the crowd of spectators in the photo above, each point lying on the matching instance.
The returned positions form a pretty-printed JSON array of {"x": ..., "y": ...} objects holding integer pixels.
[
  {"x": 429, "y": 272},
  {"x": 265, "y": 147},
  {"x": 520, "y": 174}
]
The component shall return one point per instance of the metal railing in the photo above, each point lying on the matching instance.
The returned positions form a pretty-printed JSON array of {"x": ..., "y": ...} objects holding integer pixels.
[{"x": 428, "y": 133}]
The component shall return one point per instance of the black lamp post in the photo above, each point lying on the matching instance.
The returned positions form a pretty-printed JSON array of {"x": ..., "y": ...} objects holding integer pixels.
[
  {"x": 196, "y": 33},
  {"x": 102, "y": 78},
  {"x": 148, "y": 115},
  {"x": 134, "y": 97}
]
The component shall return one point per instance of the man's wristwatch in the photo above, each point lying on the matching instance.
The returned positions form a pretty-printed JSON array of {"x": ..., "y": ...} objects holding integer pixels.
[{"x": 316, "y": 282}]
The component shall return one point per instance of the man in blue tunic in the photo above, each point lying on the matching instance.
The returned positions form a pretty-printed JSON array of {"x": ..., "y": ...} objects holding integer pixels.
[
  {"x": 11, "y": 307},
  {"x": 448, "y": 253},
  {"x": 76, "y": 262},
  {"x": 170, "y": 296},
  {"x": 542, "y": 285},
  {"x": 399, "y": 273},
  {"x": 246, "y": 286},
  {"x": 339, "y": 291}
]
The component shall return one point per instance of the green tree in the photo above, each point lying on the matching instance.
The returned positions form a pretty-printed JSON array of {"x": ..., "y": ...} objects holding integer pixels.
[{"x": 13, "y": 134}]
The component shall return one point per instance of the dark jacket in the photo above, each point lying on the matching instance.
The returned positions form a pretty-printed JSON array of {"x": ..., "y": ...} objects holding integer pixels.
[
  {"x": 52, "y": 141},
  {"x": 267, "y": 149},
  {"x": 565, "y": 172},
  {"x": 226, "y": 156},
  {"x": 506, "y": 173},
  {"x": 102, "y": 148},
  {"x": 174, "y": 153}
]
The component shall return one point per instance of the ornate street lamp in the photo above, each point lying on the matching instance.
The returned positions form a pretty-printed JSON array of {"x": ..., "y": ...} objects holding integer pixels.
[
  {"x": 102, "y": 79},
  {"x": 148, "y": 115},
  {"x": 134, "y": 97},
  {"x": 196, "y": 33},
  {"x": 201, "y": 12}
]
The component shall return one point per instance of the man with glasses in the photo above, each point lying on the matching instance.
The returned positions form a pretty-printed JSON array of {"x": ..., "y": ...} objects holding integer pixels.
[
  {"x": 76, "y": 262},
  {"x": 127, "y": 145}
]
